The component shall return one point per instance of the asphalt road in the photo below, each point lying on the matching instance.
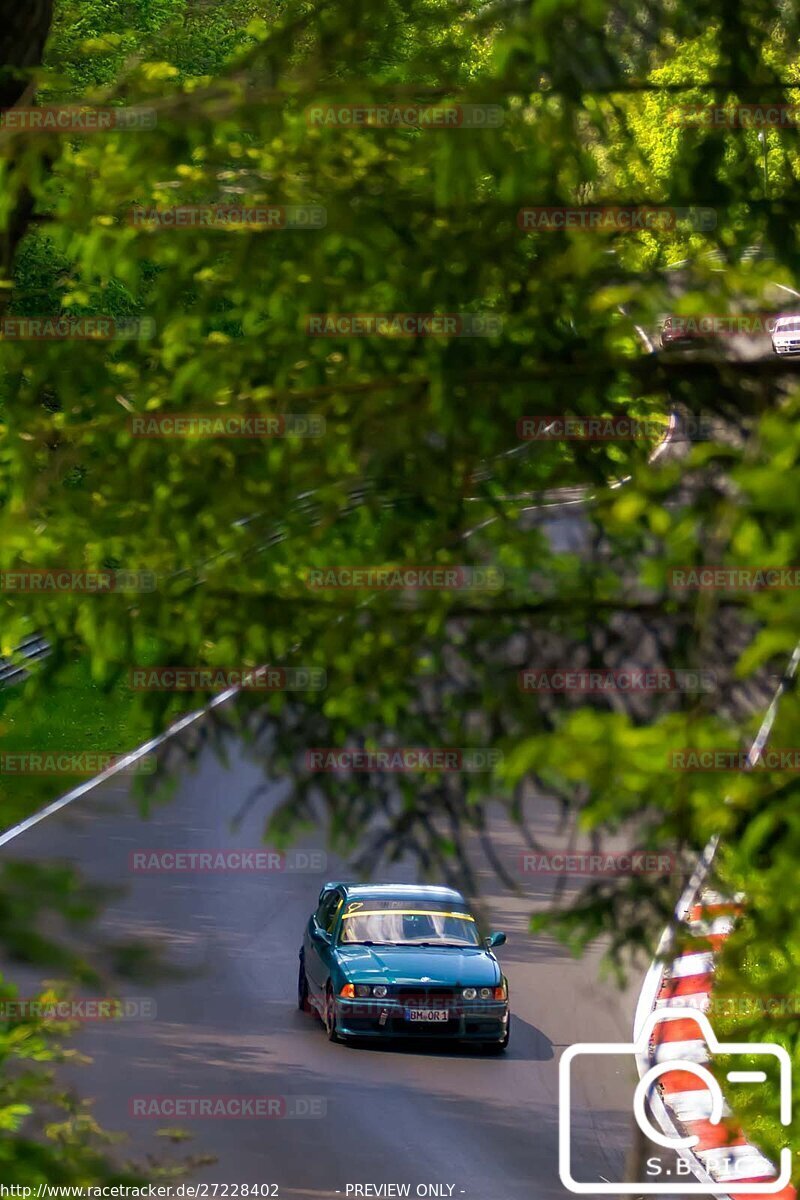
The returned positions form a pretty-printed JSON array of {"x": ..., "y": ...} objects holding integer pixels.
[{"x": 226, "y": 1024}]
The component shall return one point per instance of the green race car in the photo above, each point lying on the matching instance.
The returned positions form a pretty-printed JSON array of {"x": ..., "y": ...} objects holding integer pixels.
[{"x": 399, "y": 961}]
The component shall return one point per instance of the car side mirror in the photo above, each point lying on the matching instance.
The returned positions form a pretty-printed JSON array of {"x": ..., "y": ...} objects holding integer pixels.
[{"x": 495, "y": 939}]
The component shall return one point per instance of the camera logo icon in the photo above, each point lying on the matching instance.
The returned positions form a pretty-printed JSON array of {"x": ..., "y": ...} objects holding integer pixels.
[{"x": 709, "y": 1099}]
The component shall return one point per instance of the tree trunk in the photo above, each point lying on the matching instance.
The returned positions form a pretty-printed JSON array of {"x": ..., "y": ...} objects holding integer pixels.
[{"x": 23, "y": 32}]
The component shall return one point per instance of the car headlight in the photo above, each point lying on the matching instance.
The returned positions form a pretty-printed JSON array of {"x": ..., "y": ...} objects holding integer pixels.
[
  {"x": 380, "y": 990},
  {"x": 470, "y": 993},
  {"x": 362, "y": 990},
  {"x": 486, "y": 993}
]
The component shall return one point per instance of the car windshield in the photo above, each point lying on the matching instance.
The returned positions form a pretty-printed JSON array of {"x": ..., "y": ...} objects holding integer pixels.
[
  {"x": 788, "y": 325},
  {"x": 407, "y": 927}
]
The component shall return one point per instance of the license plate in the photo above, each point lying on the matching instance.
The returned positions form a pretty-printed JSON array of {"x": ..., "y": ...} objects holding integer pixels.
[{"x": 426, "y": 1014}]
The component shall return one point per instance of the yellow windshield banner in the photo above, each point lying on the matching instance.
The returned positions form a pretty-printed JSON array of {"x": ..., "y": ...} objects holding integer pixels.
[{"x": 406, "y": 912}]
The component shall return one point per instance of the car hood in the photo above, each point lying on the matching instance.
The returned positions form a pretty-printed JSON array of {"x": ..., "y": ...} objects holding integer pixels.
[{"x": 465, "y": 966}]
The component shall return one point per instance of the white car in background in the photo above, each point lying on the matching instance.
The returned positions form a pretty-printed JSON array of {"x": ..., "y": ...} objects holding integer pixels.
[{"x": 786, "y": 335}]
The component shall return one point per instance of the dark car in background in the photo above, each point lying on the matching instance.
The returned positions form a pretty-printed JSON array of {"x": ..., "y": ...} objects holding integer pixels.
[{"x": 683, "y": 333}]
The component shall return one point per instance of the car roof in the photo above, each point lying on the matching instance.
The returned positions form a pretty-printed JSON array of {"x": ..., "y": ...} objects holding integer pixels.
[{"x": 401, "y": 891}]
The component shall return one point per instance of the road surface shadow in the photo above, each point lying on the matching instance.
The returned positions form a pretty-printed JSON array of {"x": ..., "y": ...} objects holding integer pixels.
[{"x": 527, "y": 1043}]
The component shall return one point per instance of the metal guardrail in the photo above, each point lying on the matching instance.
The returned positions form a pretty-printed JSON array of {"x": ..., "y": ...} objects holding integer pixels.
[{"x": 32, "y": 649}]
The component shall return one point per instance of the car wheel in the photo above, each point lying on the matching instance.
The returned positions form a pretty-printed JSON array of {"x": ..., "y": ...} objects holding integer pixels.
[
  {"x": 330, "y": 1017},
  {"x": 302, "y": 989}
]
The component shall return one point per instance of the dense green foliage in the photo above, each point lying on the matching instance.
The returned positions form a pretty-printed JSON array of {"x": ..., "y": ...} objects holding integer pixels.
[{"x": 420, "y": 451}]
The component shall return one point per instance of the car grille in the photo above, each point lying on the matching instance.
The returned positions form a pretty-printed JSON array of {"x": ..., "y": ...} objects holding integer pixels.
[
  {"x": 417, "y": 997},
  {"x": 464, "y": 1017}
]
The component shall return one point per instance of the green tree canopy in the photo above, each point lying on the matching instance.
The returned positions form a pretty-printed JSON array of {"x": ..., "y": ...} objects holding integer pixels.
[{"x": 420, "y": 460}]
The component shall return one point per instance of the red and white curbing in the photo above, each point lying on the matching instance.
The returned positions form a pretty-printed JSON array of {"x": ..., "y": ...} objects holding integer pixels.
[
  {"x": 722, "y": 1156},
  {"x": 722, "y": 1159}
]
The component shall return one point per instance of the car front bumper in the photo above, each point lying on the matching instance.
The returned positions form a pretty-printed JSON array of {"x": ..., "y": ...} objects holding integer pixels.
[{"x": 484, "y": 1022}]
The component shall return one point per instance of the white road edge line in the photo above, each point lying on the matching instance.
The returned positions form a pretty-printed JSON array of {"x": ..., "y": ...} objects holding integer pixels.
[{"x": 125, "y": 762}]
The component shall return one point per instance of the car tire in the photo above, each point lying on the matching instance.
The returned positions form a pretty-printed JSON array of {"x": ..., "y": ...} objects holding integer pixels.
[
  {"x": 329, "y": 1017},
  {"x": 302, "y": 988}
]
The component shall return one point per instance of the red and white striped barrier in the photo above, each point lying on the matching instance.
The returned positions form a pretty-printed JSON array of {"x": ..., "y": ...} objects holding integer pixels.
[
  {"x": 683, "y": 978},
  {"x": 722, "y": 1158}
]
